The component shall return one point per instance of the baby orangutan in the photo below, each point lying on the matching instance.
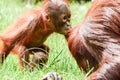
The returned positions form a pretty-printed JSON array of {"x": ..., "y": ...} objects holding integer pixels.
[{"x": 32, "y": 28}]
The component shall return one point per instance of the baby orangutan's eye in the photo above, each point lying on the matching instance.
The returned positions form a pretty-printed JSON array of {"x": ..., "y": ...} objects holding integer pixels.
[
  {"x": 69, "y": 17},
  {"x": 64, "y": 19}
]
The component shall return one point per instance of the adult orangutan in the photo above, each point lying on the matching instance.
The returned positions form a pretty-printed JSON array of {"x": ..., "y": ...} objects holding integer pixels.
[
  {"x": 97, "y": 41},
  {"x": 32, "y": 28}
]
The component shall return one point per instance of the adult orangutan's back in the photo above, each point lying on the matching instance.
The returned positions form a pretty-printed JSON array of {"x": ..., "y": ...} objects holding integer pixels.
[{"x": 97, "y": 40}]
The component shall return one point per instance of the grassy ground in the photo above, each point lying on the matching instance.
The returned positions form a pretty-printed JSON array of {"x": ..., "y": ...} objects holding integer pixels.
[{"x": 60, "y": 59}]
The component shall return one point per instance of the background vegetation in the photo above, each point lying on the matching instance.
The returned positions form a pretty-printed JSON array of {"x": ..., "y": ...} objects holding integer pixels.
[{"x": 60, "y": 59}]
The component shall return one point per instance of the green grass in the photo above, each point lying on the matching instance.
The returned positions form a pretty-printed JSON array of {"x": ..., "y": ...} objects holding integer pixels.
[{"x": 60, "y": 59}]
